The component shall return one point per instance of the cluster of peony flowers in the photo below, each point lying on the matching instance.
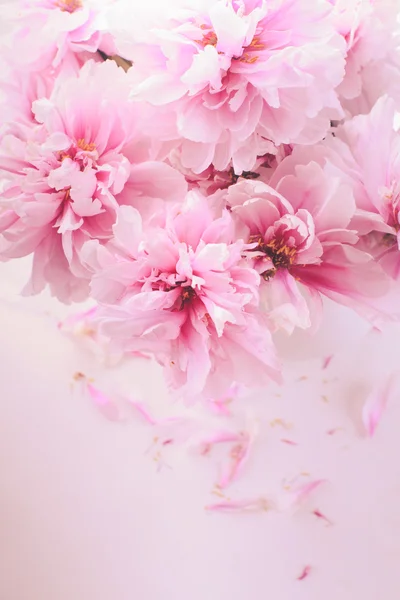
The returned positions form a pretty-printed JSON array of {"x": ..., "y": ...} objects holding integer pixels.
[{"x": 205, "y": 170}]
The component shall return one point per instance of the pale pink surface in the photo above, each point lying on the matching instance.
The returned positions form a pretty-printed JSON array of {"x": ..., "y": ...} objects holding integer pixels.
[{"x": 87, "y": 514}]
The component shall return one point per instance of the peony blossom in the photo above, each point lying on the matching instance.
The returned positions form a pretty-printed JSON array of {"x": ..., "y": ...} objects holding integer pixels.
[
  {"x": 370, "y": 30},
  {"x": 367, "y": 150},
  {"x": 45, "y": 32},
  {"x": 303, "y": 244},
  {"x": 184, "y": 292},
  {"x": 241, "y": 75},
  {"x": 64, "y": 176}
]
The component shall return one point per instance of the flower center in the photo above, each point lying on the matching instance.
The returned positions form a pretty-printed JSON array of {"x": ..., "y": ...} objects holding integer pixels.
[
  {"x": 78, "y": 154},
  {"x": 69, "y": 5},
  {"x": 248, "y": 56},
  {"x": 209, "y": 38},
  {"x": 389, "y": 240},
  {"x": 164, "y": 282},
  {"x": 244, "y": 174},
  {"x": 187, "y": 295},
  {"x": 85, "y": 146},
  {"x": 281, "y": 255}
]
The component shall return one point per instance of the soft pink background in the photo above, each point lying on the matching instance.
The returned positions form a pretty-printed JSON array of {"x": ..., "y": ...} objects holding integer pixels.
[{"x": 85, "y": 514}]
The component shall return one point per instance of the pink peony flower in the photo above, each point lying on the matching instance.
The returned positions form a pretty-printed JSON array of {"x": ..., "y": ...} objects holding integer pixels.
[
  {"x": 45, "y": 31},
  {"x": 370, "y": 29},
  {"x": 367, "y": 150},
  {"x": 184, "y": 293},
  {"x": 241, "y": 74},
  {"x": 302, "y": 243},
  {"x": 64, "y": 176}
]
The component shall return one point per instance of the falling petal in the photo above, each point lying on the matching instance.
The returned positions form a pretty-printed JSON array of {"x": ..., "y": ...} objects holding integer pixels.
[
  {"x": 376, "y": 403},
  {"x": 138, "y": 354},
  {"x": 143, "y": 411},
  {"x": 333, "y": 431},
  {"x": 239, "y": 456},
  {"x": 304, "y": 491},
  {"x": 219, "y": 437},
  {"x": 105, "y": 405},
  {"x": 327, "y": 361},
  {"x": 251, "y": 505},
  {"x": 296, "y": 497},
  {"x": 317, "y": 513},
  {"x": 289, "y": 442},
  {"x": 220, "y": 405},
  {"x": 305, "y": 573},
  {"x": 167, "y": 442}
]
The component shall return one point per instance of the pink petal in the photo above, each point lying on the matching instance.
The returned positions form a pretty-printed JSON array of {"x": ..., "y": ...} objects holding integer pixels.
[
  {"x": 143, "y": 411},
  {"x": 250, "y": 505},
  {"x": 229, "y": 27},
  {"x": 239, "y": 456},
  {"x": 305, "y": 573},
  {"x": 220, "y": 437},
  {"x": 376, "y": 403},
  {"x": 317, "y": 513},
  {"x": 299, "y": 495},
  {"x": 327, "y": 361},
  {"x": 105, "y": 405}
]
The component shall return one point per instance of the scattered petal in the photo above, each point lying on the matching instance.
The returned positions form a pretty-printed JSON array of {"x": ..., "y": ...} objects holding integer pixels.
[
  {"x": 317, "y": 513},
  {"x": 296, "y": 497},
  {"x": 333, "y": 431},
  {"x": 138, "y": 354},
  {"x": 219, "y": 437},
  {"x": 105, "y": 405},
  {"x": 253, "y": 505},
  {"x": 376, "y": 403},
  {"x": 305, "y": 573},
  {"x": 143, "y": 411},
  {"x": 327, "y": 361},
  {"x": 239, "y": 456}
]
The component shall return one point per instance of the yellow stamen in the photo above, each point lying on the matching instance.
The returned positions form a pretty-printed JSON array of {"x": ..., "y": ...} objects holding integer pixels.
[
  {"x": 85, "y": 146},
  {"x": 69, "y": 5},
  {"x": 209, "y": 39},
  {"x": 256, "y": 44}
]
